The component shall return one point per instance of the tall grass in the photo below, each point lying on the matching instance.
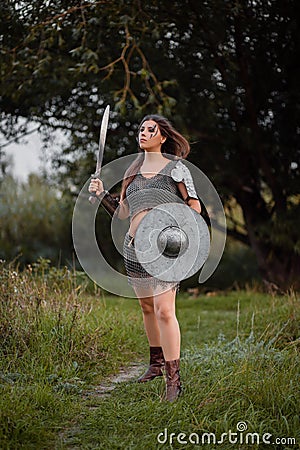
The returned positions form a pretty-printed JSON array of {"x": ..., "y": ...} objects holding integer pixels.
[
  {"x": 61, "y": 337},
  {"x": 55, "y": 339},
  {"x": 245, "y": 372}
]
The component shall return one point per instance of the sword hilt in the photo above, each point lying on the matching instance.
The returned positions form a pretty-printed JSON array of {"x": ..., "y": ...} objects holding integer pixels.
[{"x": 93, "y": 197}]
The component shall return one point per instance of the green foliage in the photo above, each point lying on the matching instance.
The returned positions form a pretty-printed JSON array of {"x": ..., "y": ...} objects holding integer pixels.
[
  {"x": 35, "y": 221},
  {"x": 36, "y": 401},
  {"x": 43, "y": 314},
  {"x": 240, "y": 362},
  {"x": 225, "y": 72},
  {"x": 226, "y": 383},
  {"x": 237, "y": 269},
  {"x": 234, "y": 368},
  {"x": 54, "y": 342}
]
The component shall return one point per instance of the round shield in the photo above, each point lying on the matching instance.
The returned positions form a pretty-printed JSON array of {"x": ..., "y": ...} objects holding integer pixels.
[{"x": 172, "y": 242}]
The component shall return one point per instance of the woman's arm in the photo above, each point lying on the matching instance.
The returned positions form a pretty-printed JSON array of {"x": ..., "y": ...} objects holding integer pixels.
[
  {"x": 192, "y": 202},
  {"x": 109, "y": 203},
  {"x": 123, "y": 211}
]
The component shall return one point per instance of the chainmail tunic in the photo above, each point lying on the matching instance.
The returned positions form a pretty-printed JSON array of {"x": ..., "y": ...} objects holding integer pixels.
[
  {"x": 143, "y": 194},
  {"x": 146, "y": 193}
]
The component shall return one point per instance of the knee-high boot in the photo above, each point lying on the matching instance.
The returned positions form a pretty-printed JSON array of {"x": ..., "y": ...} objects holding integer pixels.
[
  {"x": 173, "y": 384},
  {"x": 157, "y": 362}
]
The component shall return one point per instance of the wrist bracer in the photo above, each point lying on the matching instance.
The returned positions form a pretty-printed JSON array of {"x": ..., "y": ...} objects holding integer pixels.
[{"x": 109, "y": 203}]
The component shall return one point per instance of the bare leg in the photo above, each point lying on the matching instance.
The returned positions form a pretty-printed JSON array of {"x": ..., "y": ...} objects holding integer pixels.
[
  {"x": 164, "y": 309},
  {"x": 150, "y": 321},
  {"x": 153, "y": 334}
]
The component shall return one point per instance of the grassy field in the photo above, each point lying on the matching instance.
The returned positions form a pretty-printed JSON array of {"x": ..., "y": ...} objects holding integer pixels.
[{"x": 62, "y": 340}]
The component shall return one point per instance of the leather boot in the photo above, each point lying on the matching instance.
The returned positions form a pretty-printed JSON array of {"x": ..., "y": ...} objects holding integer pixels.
[
  {"x": 173, "y": 384},
  {"x": 157, "y": 361}
]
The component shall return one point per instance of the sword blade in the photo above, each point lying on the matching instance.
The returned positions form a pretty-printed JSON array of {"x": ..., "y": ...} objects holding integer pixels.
[
  {"x": 102, "y": 139},
  {"x": 103, "y": 130}
]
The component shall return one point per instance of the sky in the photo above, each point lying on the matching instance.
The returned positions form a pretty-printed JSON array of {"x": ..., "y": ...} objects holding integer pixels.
[{"x": 27, "y": 157}]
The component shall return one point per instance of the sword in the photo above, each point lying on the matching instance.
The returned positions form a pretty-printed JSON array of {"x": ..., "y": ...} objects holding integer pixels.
[{"x": 102, "y": 138}]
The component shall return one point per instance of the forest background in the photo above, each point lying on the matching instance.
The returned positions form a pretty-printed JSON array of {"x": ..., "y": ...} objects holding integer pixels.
[{"x": 225, "y": 73}]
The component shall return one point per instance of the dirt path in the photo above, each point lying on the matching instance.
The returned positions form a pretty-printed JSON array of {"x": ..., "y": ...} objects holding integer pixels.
[
  {"x": 123, "y": 376},
  {"x": 69, "y": 435}
]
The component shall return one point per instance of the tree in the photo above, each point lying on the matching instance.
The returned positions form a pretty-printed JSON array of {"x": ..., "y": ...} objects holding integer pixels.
[
  {"x": 34, "y": 221},
  {"x": 226, "y": 71}
]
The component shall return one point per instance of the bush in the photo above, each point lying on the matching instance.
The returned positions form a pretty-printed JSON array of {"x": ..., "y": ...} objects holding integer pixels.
[{"x": 34, "y": 221}]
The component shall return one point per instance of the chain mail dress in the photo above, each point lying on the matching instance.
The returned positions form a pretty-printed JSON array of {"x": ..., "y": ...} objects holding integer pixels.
[{"x": 147, "y": 193}]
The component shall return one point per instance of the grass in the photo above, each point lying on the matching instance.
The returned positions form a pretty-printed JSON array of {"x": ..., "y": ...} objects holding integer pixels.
[{"x": 61, "y": 338}]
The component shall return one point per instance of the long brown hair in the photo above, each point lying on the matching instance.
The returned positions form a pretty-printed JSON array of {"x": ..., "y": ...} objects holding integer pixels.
[{"x": 175, "y": 145}]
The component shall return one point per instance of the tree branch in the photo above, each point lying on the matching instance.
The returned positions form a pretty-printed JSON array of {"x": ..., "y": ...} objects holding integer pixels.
[
  {"x": 238, "y": 236},
  {"x": 16, "y": 139}
]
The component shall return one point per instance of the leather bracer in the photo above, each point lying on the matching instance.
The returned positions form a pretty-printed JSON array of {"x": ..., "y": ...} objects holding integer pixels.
[{"x": 109, "y": 203}]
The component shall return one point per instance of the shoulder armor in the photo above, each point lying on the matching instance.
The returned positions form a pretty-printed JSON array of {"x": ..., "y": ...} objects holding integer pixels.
[{"x": 181, "y": 173}]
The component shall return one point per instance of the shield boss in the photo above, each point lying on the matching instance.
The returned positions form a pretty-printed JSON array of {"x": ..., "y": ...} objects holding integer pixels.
[{"x": 172, "y": 242}]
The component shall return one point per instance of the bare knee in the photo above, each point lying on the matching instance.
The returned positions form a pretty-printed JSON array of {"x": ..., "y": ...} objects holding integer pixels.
[
  {"x": 147, "y": 306},
  {"x": 165, "y": 313}
]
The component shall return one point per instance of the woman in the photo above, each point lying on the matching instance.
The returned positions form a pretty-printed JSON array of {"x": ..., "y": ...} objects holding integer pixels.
[{"x": 156, "y": 176}]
